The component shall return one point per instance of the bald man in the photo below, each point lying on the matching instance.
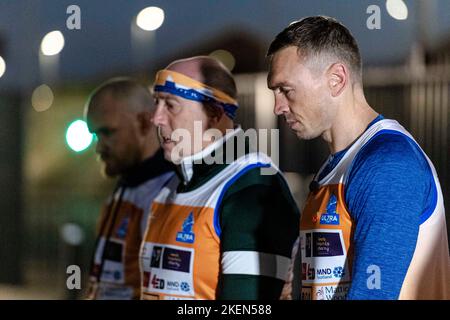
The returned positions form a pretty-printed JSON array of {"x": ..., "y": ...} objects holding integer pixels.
[
  {"x": 220, "y": 229},
  {"x": 119, "y": 113}
]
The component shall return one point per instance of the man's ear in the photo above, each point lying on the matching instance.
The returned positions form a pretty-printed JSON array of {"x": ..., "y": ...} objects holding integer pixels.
[
  {"x": 144, "y": 119},
  {"x": 338, "y": 77}
]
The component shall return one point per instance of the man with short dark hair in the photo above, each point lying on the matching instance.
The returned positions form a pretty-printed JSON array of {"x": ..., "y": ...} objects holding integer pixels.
[
  {"x": 119, "y": 113},
  {"x": 221, "y": 229},
  {"x": 373, "y": 226}
]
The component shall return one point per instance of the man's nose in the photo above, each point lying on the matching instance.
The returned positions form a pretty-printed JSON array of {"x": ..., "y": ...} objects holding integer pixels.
[
  {"x": 280, "y": 106},
  {"x": 159, "y": 117},
  {"x": 100, "y": 147}
]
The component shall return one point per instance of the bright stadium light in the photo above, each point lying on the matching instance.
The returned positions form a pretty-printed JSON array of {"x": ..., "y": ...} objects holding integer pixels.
[
  {"x": 78, "y": 136},
  {"x": 2, "y": 66},
  {"x": 52, "y": 43},
  {"x": 397, "y": 9},
  {"x": 150, "y": 18}
]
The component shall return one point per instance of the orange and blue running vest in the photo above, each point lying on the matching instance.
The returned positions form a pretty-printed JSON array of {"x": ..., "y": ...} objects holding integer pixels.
[
  {"x": 327, "y": 230},
  {"x": 181, "y": 255},
  {"x": 115, "y": 267}
]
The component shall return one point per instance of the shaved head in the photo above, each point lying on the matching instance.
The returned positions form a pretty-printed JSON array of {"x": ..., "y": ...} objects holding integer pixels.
[
  {"x": 137, "y": 97},
  {"x": 119, "y": 113}
]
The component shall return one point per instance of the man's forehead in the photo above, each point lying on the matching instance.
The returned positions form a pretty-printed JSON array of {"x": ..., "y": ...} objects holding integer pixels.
[
  {"x": 282, "y": 63},
  {"x": 100, "y": 115},
  {"x": 285, "y": 58},
  {"x": 165, "y": 95},
  {"x": 104, "y": 102},
  {"x": 106, "y": 109}
]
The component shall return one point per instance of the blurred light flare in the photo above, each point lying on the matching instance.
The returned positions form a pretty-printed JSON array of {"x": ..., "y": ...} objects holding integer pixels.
[
  {"x": 2, "y": 66},
  {"x": 52, "y": 43},
  {"x": 72, "y": 234},
  {"x": 78, "y": 136},
  {"x": 225, "y": 57},
  {"x": 42, "y": 98},
  {"x": 150, "y": 18},
  {"x": 397, "y": 9}
]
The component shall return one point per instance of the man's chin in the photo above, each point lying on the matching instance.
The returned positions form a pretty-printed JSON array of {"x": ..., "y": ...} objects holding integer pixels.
[
  {"x": 302, "y": 135},
  {"x": 108, "y": 172},
  {"x": 167, "y": 155},
  {"x": 168, "y": 148}
]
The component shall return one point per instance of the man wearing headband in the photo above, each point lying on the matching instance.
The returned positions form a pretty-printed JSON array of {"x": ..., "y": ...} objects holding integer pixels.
[{"x": 220, "y": 229}]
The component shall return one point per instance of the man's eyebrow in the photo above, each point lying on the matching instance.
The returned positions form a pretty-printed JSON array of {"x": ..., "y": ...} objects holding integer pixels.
[
  {"x": 278, "y": 85},
  {"x": 165, "y": 96}
]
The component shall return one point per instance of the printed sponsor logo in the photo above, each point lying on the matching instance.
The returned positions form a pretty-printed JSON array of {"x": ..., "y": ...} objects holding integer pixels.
[
  {"x": 330, "y": 217},
  {"x": 176, "y": 286},
  {"x": 324, "y": 273},
  {"x": 123, "y": 228},
  {"x": 308, "y": 245},
  {"x": 173, "y": 285},
  {"x": 327, "y": 244},
  {"x": 320, "y": 294},
  {"x": 338, "y": 272},
  {"x": 338, "y": 292},
  {"x": 156, "y": 257},
  {"x": 177, "y": 260},
  {"x": 158, "y": 283},
  {"x": 329, "y": 273},
  {"x": 185, "y": 286},
  {"x": 308, "y": 273},
  {"x": 187, "y": 235}
]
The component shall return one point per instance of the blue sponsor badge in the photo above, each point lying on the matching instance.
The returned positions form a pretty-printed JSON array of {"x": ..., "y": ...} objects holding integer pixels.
[
  {"x": 123, "y": 228},
  {"x": 330, "y": 217},
  {"x": 185, "y": 286},
  {"x": 339, "y": 272},
  {"x": 187, "y": 235}
]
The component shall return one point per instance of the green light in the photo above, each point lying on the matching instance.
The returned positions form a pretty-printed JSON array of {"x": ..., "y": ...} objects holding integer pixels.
[{"x": 78, "y": 136}]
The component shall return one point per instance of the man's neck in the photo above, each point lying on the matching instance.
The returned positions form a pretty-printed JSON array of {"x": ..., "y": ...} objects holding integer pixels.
[
  {"x": 350, "y": 123},
  {"x": 197, "y": 170}
]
